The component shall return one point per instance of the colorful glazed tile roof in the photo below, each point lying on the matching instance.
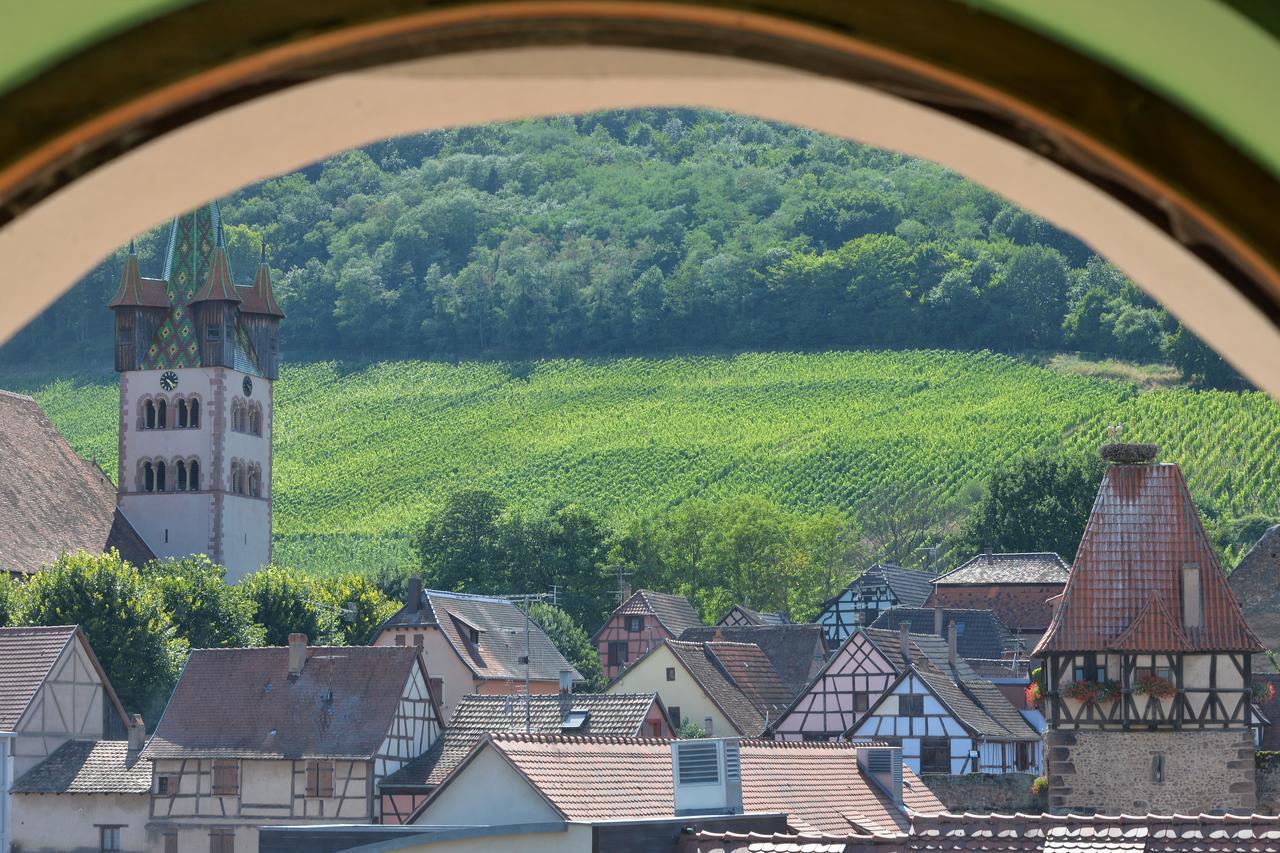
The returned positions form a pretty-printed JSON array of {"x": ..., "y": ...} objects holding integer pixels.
[
  {"x": 52, "y": 501},
  {"x": 1126, "y": 583},
  {"x": 818, "y": 785},
  {"x": 610, "y": 715},
  {"x": 242, "y": 703},
  {"x": 88, "y": 767},
  {"x": 1013, "y": 568}
]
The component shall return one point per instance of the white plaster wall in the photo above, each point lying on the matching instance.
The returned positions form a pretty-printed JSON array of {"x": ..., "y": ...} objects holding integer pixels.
[
  {"x": 67, "y": 705},
  {"x": 246, "y": 535},
  {"x": 650, "y": 675},
  {"x": 69, "y": 822},
  {"x": 266, "y": 783},
  {"x": 183, "y": 518},
  {"x": 169, "y": 442},
  {"x": 486, "y": 784}
]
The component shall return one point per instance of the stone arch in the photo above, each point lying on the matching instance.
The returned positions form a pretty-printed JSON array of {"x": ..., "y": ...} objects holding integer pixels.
[{"x": 148, "y": 413}]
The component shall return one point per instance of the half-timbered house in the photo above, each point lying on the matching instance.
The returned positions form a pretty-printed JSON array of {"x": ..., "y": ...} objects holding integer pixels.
[
  {"x": 292, "y": 734},
  {"x": 643, "y": 620},
  {"x": 980, "y": 633},
  {"x": 874, "y": 591},
  {"x": 739, "y": 615},
  {"x": 1015, "y": 586},
  {"x": 631, "y": 715},
  {"x": 860, "y": 671},
  {"x": 52, "y": 690},
  {"x": 474, "y": 644},
  {"x": 1147, "y": 660}
]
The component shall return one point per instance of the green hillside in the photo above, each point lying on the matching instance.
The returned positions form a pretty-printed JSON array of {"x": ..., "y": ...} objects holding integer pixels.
[{"x": 365, "y": 451}]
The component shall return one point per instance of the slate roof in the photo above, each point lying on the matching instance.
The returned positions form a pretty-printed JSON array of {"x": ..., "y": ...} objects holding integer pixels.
[
  {"x": 976, "y": 704},
  {"x": 924, "y": 650},
  {"x": 674, "y": 612},
  {"x": 600, "y": 779},
  {"x": 1040, "y": 568},
  {"x": 979, "y": 633},
  {"x": 612, "y": 715},
  {"x": 87, "y": 767},
  {"x": 51, "y": 500},
  {"x": 1125, "y": 584},
  {"x": 911, "y": 588},
  {"x": 790, "y": 648},
  {"x": 756, "y": 617},
  {"x": 242, "y": 703},
  {"x": 1021, "y": 833},
  {"x": 501, "y": 624}
]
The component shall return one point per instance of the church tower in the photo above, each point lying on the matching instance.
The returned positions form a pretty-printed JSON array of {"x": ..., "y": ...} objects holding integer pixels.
[{"x": 197, "y": 357}]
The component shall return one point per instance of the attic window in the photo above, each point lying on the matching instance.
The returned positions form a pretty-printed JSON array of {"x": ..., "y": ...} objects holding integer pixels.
[{"x": 575, "y": 720}]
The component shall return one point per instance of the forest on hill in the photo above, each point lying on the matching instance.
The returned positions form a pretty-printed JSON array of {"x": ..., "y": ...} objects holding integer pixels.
[{"x": 647, "y": 232}]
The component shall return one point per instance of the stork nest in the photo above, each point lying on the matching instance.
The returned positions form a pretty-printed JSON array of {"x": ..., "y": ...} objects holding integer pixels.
[{"x": 1129, "y": 454}]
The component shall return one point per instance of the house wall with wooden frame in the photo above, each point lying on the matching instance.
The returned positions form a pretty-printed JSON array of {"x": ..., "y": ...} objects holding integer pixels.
[
  {"x": 855, "y": 677},
  {"x": 70, "y": 703},
  {"x": 858, "y": 605},
  {"x": 933, "y": 725},
  {"x": 648, "y": 633}
]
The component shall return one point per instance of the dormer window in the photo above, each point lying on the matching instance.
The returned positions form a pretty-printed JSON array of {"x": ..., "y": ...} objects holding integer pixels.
[
  {"x": 635, "y": 624},
  {"x": 473, "y": 636}
]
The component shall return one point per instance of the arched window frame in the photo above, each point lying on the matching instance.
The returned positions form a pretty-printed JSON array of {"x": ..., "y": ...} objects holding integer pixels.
[
  {"x": 193, "y": 416},
  {"x": 180, "y": 475},
  {"x": 254, "y": 489},
  {"x": 161, "y": 484},
  {"x": 180, "y": 404},
  {"x": 148, "y": 413},
  {"x": 193, "y": 475},
  {"x": 146, "y": 476},
  {"x": 162, "y": 413},
  {"x": 236, "y": 471}
]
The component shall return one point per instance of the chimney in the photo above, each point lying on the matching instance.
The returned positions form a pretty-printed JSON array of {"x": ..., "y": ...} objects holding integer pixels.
[
  {"x": 137, "y": 737},
  {"x": 986, "y": 553},
  {"x": 297, "y": 654},
  {"x": 566, "y": 692},
  {"x": 413, "y": 595},
  {"x": 951, "y": 644},
  {"x": 883, "y": 766},
  {"x": 904, "y": 640},
  {"x": 937, "y": 621},
  {"x": 626, "y": 590}
]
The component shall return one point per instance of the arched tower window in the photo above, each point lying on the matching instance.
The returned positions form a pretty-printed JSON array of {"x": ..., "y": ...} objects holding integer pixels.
[
  {"x": 181, "y": 405},
  {"x": 237, "y": 416},
  {"x": 255, "y": 419},
  {"x": 235, "y": 478},
  {"x": 193, "y": 476},
  {"x": 149, "y": 414},
  {"x": 160, "y": 474},
  {"x": 181, "y": 476},
  {"x": 148, "y": 477},
  {"x": 255, "y": 482},
  {"x": 194, "y": 416},
  {"x": 161, "y": 414}
]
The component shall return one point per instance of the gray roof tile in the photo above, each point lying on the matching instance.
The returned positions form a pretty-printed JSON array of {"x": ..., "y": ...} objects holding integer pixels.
[{"x": 88, "y": 767}]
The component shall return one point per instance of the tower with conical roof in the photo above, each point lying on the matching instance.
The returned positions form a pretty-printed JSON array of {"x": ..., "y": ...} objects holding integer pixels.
[
  {"x": 1147, "y": 662},
  {"x": 197, "y": 356}
]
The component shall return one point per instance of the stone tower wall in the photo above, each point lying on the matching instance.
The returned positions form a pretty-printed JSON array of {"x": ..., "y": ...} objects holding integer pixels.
[{"x": 1112, "y": 771}]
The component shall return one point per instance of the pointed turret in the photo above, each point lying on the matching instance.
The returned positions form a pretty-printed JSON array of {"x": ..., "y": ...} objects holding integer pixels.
[
  {"x": 217, "y": 283},
  {"x": 130, "y": 290},
  {"x": 261, "y": 299}
]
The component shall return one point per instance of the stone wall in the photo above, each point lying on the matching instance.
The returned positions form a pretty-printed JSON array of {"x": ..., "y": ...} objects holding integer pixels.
[
  {"x": 1268, "y": 764},
  {"x": 982, "y": 793},
  {"x": 1256, "y": 584},
  {"x": 1114, "y": 772}
]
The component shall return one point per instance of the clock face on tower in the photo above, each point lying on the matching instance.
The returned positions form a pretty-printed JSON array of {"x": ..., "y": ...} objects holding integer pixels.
[
  {"x": 168, "y": 380},
  {"x": 248, "y": 387}
]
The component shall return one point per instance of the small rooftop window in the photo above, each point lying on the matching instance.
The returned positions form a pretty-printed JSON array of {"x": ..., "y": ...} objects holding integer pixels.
[{"x": 575, "y": 720}]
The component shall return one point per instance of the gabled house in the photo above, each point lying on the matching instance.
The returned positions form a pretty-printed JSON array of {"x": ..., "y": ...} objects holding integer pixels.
[
  {"x": 852, "y": 679},
  {"x": 1148, "y": 660},
  {"x": 474, "y": 644},
  {"x": 643, "y": 620},
  {"x": 630, "y": 715},
  {"x": 292, "y": 734},
  {"x": 950, "y": 723},
  {"x": 980, "y": 633},
  {"x": 87, "y": 795},
  {"x": 606, "y": 790},
  {"x": 52, "y": 691},
  {"x": 52, "y": 501},
  {"x": 740, "y": 615},
  {"x": 797, "y": 652},
  {"x": 724, "y": 688},
  {"x": 1015, "y": 586},
  {"x": 874, "y": 591}
]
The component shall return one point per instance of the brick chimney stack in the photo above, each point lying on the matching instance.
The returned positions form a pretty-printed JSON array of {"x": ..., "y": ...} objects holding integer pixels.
[
  {"x": 137, "y": 734},
  {"x": 952, "y": 656},
  {"x": 904, "y": 639},
  {"x": 297, "y": 654},
  {"x": 413, "y": 595},
  {"x": 937, "y": 621}
]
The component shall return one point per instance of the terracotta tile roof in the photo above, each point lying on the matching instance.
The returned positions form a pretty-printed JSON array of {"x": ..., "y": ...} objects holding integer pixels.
[
  {"x": 599, "y": 779},
  {"x": 611, "y": 715},
  {"x": 26, "y": 656},
  {"x": 51, "y": 500},
  {"x": 751, "y": 670},
  {"x": 979, "y": 633},
  {"x": 242, "y": 703},
  {"x": 87, "y": 767},
  {"x": 673, "y": 611},
  {"x": 1023, "y": 608},
  {"x": 796, "y": 651},
  {"x": 1143, "y": 531},
  {"x": 260, "y": 298},
  {"x": 1043, "y": 567},
  {"x": 136, "y": 291},
  {"x": 501, "y": 626},
  {"x": 700, "y": 659},
  {"x": 1022, "y": 833}
]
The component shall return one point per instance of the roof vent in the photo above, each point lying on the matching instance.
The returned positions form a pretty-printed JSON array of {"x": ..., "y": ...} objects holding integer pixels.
[
  {"x": 708, "y": 776},
  {"x": 883, "y": 766}
]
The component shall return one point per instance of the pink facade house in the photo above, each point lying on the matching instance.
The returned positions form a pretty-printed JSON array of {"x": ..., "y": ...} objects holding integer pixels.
[{"x": 642, "y": 621}]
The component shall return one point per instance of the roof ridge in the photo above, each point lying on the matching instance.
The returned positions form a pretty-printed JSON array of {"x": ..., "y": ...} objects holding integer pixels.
[
  {"x": 17, "y": 396},
  {"x": 551, "y": 738}
]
